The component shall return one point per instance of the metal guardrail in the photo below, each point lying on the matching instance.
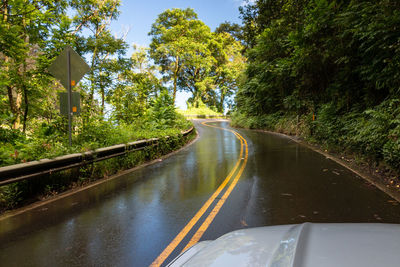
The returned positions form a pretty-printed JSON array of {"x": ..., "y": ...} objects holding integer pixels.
[{"x": 23, "y": 171}]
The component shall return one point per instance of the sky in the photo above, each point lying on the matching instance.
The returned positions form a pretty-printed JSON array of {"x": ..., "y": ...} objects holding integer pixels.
[{"x": 137, "y": 16}]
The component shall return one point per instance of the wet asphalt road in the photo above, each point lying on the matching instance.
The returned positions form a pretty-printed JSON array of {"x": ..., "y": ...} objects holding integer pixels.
[{"x": 130, "y": 220}]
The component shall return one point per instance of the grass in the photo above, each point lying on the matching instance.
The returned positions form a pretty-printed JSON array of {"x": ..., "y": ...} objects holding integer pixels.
[
  {"x": 95, "y": 136},
  {"x": 202, "y": 111},
  {"x": 19, "y": 148}
]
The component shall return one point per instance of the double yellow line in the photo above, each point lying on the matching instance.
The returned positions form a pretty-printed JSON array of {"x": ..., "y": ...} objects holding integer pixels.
[{"x": 199, "y": 233}]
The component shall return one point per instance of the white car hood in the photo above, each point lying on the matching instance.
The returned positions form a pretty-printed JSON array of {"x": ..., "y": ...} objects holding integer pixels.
[{"x": 311, "y": 245}]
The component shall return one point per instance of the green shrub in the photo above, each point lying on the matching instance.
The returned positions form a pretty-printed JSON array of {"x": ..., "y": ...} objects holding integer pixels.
[
  {"x": 327, "y": 127},
  {"x": 202, "y": 109},
  {"x": 11, "y": 195},
  {"x": 373, "y": 134},
  {"x": 161, "y": 113}
]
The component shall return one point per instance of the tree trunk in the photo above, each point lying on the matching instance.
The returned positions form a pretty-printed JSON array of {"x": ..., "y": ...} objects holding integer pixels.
[
  {"x": 175, "y": 77},
  {"x": 10, "y": 90},
  {"x": 5, "y": 10},
  {"x": 11, "y": 100},
  {"x": 92, "y": 83},
  {"x": 221, "y": 108},
  {"x": 174, "y": 93},
  {"x": 17, "y": 108},
  {"x": 14, "y": 99},
  {"x": 26, "y": 108},
  {"x": 102, "y": 100}
]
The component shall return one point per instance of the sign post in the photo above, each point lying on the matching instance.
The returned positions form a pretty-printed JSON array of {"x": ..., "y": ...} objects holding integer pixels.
[
  {"x": 69, "y": 98},
  {"x": 69, "y": 67}
]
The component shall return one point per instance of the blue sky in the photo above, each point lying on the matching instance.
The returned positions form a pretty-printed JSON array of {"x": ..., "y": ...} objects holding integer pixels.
[{"x": 139, "y": 15}]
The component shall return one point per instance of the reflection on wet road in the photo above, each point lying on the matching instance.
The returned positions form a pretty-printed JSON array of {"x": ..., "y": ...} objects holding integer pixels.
[{"x": 129, "y": 221}]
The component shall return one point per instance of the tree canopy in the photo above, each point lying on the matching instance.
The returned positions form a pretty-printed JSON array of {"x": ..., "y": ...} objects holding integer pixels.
[
  {"x": 120, "y": 90},
  {"x": 194, "y": 58},
  {"x": 335, "y": 62}
]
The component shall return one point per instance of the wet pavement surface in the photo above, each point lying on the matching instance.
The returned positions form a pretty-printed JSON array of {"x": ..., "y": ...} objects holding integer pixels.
[{"x": 129, "y": 221}]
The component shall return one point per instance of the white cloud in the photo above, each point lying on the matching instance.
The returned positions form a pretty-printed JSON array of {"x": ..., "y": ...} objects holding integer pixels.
[{"x": 244, "y": 2}]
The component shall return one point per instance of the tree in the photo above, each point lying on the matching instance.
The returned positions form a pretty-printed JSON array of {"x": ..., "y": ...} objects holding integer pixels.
[
  {"x": 136, "y": 87},
  {"x": 26, "y": 28},
  {"x": 101, "y": 45},
  {"x": 196, "y": 75},
  {"x": 229, "y": 67},
  {"x": 260, "y": 14},
  {"x": 197, "y": 60},
  {"x": 177, "y": 37},
  {"x": 32, "y": 34},
  {"x": 234, "y": 29}
]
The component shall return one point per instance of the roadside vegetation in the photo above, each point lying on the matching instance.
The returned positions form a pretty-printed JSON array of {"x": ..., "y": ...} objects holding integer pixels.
[
  {"x": 123, "y": 97},
  {"x": 194, "y": 59},
  {"x": 48, "y": 185},
  {"x": 200, "y": 110},
  {"x": 327, "y": 71}
]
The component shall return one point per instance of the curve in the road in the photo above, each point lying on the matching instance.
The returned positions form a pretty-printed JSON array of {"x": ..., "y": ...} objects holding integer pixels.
[{"x": 199, "y": 233}]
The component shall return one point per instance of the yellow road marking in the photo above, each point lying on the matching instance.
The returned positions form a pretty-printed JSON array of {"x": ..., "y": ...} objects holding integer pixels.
[
  {"x": 171, "y": 247},
  {"x": 196, "y": 237}
]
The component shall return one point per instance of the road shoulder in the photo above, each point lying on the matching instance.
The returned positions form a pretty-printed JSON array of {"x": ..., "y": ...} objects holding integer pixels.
[
  {"x": 65, "y": 194},
  {"x": 374, "y": 176}
]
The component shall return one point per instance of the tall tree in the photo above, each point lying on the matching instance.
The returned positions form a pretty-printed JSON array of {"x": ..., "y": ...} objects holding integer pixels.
[
  {"x": 25, "y": 31},
  {"x": 229, "y": 67},
  {"x": 176, "y": 37},
  {"x": 234, "y": 29},
  {"x": 196, "y": 75},
  {"x": 95, "y": 16},
  {"x": 136, "y": 86}
]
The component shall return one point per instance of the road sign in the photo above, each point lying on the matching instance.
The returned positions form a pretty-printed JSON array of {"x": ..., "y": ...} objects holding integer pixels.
[
  {"x": 76, "y": 103},
  {"x": 69, "y": 68},
  {"x": 59, "y": 67}
]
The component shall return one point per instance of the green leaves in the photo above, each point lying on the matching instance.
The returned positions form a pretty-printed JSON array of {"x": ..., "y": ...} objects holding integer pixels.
[
  {"x": 161, "y": 114},
  {"x": 180, "y": 46},
  {"x": 195, "y": 59},
  {"x": 336, "y": 59},
  {"x": 32, "y": 34},
  {"x": 137, "y": 85}
]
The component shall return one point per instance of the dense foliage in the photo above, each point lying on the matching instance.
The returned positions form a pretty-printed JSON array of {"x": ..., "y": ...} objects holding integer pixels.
[
  {"x": 119, "y": 91},
  {"x": 200, "y": 111},
  {"x": 25, "y": 192},
  {"x": 206, "y": 64},
  {"x": 121, "y": 97},
  {"x": 336, "y": 61}
]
